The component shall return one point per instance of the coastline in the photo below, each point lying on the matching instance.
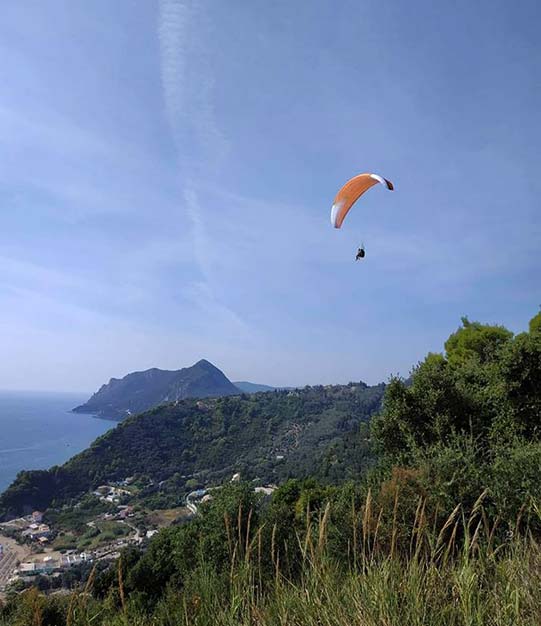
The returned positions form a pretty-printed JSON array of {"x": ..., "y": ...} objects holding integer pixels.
[
  {"x": 97, "y": 416},
  {"x": 40, "y": 431}
]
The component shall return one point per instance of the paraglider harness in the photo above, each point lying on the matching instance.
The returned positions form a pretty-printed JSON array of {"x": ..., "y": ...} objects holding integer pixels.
[{"x": 360, "y": 253}]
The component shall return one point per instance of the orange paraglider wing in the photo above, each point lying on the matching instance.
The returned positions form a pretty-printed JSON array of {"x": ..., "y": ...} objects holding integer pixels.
[{"x": 351, "y": 192}]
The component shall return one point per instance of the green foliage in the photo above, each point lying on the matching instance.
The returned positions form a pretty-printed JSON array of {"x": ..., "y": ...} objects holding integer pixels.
[
  {"x": 520, "y": 380},
  {"x": 351, "y": 568},
  {"x": 444, "y": 530},
  {"x": 429, "y": 410},
  {"x": 514, "y": 481},
  {"x": 475, "y": 341},
  {"x": 469, "y": 423},
  {"x": 72, "y": 518},
  {"x": 315, "y": 430},
  {"x": 535, "y": 324},
  {"x": 487, "y": 387},
  {"x": 192, "y": 484}
]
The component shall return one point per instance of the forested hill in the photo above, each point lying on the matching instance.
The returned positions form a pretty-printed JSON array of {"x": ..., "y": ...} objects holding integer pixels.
[
  {"x": 247, "y": 387},
  {"x": 266, "y": 436},
  {"x": 141, "y": 391}
]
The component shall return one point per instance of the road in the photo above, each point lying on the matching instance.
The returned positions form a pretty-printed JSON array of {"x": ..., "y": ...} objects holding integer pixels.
[
  {"x": 137, "y": 537},
  {"x": 8, "y": 562},
  {"x": 13, "y": 555}
]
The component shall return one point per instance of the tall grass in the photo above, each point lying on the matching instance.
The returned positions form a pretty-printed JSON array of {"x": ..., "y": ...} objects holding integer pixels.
[{"x": 459, "y": 571}]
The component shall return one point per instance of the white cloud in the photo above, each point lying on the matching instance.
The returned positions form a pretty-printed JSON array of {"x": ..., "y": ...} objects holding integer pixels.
[
  {"x": 190, "y": 113},
  {"x": 188, "y": 83},
  {"x": 173, "y": 30}
]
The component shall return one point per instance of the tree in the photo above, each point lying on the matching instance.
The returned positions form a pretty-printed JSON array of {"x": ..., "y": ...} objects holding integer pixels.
[
  {"x": 459, "y": 392},
  {"x": 470, "y": 420},
  {"x": 429, "y": 410},
  {"x": 475, "y": 341},
  {"x": 520, "y": 374},
  {"x": 535, "y": 324}
]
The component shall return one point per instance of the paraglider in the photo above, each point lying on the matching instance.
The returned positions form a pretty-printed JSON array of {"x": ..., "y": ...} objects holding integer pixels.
[{"x": 348, "y": 196}]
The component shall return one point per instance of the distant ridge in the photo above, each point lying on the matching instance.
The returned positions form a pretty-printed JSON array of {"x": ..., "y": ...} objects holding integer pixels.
[
  {"x": 140, "y": 391},
  {"x": 253, "y": 387}
]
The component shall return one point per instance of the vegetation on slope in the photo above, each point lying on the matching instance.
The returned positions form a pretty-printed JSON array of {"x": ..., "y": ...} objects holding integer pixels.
[
  {"x": 445, "y": 530},
  {"x": 266, "y": 436},
  {"x": 231, "y": 569}
]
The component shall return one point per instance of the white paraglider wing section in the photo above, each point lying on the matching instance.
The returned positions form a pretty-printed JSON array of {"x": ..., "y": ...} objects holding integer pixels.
[{"x": 334, "y": 213}]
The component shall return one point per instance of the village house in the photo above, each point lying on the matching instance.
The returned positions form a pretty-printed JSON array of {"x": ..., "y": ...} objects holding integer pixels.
[
  {"x": 110, "y": 493},
  {"x": 32, "y": 569},
  {"x": 35, "y": 532},
  {"x": 125, "y": 511},
  {"x": 74, "y": 559}
]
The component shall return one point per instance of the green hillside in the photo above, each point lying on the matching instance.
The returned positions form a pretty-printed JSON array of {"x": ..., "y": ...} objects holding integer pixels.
[
  {"x": 445, "y": 529},
  {"x": 248, "y": 387},
  {"x": 268, "y": 436}
]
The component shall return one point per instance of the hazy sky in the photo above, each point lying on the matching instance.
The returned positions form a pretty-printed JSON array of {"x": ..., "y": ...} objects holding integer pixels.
[{"x": 167, "y": 170}]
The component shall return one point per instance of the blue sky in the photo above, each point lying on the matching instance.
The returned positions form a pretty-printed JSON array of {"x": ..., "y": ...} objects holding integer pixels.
[{"x": 167, "y": 171}]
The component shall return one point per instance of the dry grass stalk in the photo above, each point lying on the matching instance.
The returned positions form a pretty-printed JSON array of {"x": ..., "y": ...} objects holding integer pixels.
[
  {"x": 227, "y": 523},
  {"x": 451, "y": 543},
  {"x": 71, "y": 605},
  {"x": 273, "y": 544},
  {"x": 374, "y": 549},
  {"x": 308, "y": 546},
  {"x": 37, "y": 616},
  {"x": 448, "y": 523},
  {"x": 417, "y": 525},
  {"x": 247, "y": 538},
  {"x": 395, "y": 529},
  {"x": 233, "y": 560},
  {"x": 323, "y": 529},
  {"x": 475, "y": 539},
  {"x": 354, "y": 525},
  {"x": 366, "y": 517},
  {"x": 239, "y": 526},
  {"x": 121, "y": 587}
]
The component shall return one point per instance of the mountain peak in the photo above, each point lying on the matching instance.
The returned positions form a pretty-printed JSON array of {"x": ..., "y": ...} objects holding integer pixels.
[
  {"x": 140, "y": 391},
  {"x": 206, "y": 364}
]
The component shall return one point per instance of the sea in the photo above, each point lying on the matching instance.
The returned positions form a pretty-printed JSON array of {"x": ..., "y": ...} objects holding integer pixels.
[{"x": 37, "y": 431}]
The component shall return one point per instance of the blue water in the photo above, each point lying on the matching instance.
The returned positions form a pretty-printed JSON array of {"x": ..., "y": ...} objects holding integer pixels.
[{"x": 38, "y": 431}]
